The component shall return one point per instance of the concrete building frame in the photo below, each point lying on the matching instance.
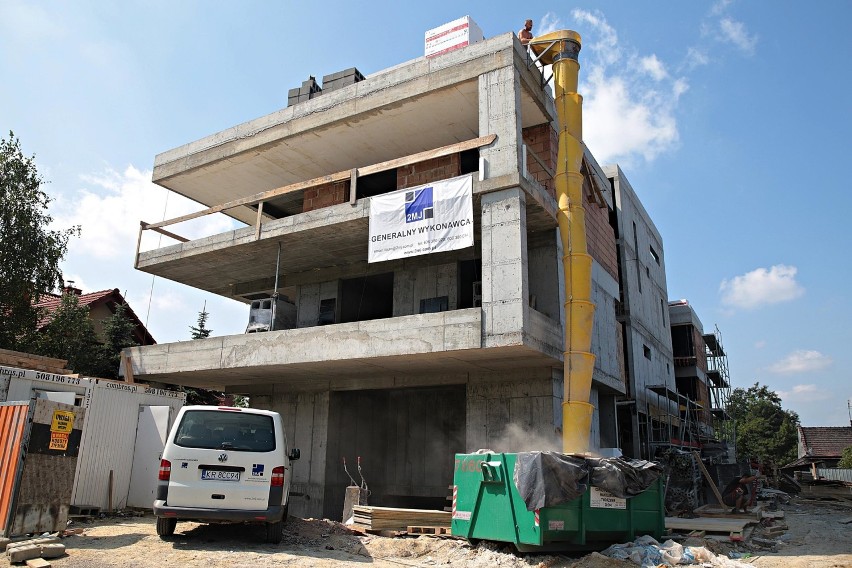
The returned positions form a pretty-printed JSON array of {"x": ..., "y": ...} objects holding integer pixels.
[{"x": 402, "y": 387}]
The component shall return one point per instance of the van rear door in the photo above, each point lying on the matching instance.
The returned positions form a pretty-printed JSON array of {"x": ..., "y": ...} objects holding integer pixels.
[{"x": 223, "y": 459}]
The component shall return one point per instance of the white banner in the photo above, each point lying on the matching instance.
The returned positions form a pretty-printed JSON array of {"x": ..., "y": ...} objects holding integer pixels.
[{"x": 437, "y": 217}]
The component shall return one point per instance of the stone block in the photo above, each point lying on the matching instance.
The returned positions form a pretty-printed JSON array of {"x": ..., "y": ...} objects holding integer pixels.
[{"x": 23, "y": 553}]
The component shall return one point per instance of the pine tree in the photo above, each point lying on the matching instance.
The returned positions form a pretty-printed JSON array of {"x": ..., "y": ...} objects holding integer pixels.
[
  {"x": 117, "y": 335},
  {"x": 200, "y": 331}
]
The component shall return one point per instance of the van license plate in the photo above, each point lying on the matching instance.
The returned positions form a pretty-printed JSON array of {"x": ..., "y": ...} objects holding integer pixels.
[{"x": 214, "y": 475}]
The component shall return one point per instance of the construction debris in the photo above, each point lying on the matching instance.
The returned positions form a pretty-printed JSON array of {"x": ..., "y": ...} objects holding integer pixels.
[{"x": 48, "y": 547}]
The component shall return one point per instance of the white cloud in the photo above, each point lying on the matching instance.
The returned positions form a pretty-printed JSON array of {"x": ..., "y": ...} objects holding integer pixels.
[
  {"x": 550, "y": 22},
  {"x": 719, "y": 7},
  {"x": 760, "y": 344},
  {"x": 29, "y": 22},
  {"x": 804, "y": 393},
  {"x": 736, "y": 33},
  {"x": 761, "y": 286},
  {"x": 625, "y": 116},
  {"x": 653, "y": 67},
  {"x": 696, "y": 57},
  {"x": 801, "y": 361},
  {"x": 113, "y": 203}
]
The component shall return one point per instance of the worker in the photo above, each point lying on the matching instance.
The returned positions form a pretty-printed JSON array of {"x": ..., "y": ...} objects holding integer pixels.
[
  {"x": 525, "y": 35},
  {"x": 736, "y": 493}
]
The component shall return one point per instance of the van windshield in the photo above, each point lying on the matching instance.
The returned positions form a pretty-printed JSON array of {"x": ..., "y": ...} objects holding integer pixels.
[{"x": 226, "y": 430}]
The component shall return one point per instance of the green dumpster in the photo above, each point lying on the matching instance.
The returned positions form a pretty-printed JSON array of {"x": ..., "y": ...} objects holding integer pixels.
[{"x": 488, "y": 506}]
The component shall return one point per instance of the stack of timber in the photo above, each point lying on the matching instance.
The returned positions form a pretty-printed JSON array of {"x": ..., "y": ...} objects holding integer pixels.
[
  {"x": 33, "y": 362},
  {"x": 713, "y": 527},
  {"x": 389, "y": 518}
]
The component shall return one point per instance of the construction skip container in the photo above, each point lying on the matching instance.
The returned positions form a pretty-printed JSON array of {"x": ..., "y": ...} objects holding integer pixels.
[{"x": 487, "y": 505}]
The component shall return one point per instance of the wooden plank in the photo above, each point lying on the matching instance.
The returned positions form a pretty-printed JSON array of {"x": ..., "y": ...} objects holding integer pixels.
[
  {"x": 259, "y": 221},
  {"x": 128, "y": 368},
  {"x": 708, "y": 524},
  {"x": 400, "y": 519},
  {"x": 32, "y": 362},
  {"x": 353, "y": 186},
  {"x": 428, "y": 530},
  {"x": 167, "y": 233},
  {"x": 541, "y": 163},
  {"x": 339, "y": 176},
  {"x": 716, "y": 511},
  {"x": 709, "y": 479},
  {"x": 429, "y": 155}
]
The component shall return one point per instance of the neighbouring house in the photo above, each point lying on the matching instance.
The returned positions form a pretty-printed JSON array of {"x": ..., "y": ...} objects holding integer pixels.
[
  {"x": 820, "y": 447},
  {"x": 102, "y": 306}
]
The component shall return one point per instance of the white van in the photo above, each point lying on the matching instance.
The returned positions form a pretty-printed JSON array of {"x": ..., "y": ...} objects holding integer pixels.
[{"x": 225, "y": 465}]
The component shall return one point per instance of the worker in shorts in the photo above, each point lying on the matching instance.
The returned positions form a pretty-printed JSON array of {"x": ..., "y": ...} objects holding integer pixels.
[{"x": 736, "y": 493}]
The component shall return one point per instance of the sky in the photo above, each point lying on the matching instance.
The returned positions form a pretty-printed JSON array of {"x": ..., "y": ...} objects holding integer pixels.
[{"x": 731, "y": 119}]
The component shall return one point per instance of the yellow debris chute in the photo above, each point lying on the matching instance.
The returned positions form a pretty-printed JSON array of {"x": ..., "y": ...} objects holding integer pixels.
[{"x": 560, "y": 49}]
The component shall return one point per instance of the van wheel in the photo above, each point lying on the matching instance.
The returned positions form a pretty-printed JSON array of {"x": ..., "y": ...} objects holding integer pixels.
[
  {"x": 274, "y": 532},
  {"x": 166, "y": 527}
]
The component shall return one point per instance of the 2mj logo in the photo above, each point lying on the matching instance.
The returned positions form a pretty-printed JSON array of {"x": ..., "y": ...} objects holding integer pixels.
[{"x": 418, "y": 205}]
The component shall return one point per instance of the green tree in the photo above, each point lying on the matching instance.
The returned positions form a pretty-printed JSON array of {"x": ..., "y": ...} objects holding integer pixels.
[
  {"x": 846, "y": 459},
  {"x": 29, "y": 252},
  {"x": 70, "y": 335},
  {"x": 764, "y": 429},
  {"x": 200, "y": 331},
  {"x": 117, "y": 334}
]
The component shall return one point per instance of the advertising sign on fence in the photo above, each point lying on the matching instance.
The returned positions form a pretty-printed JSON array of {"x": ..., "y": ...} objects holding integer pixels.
[{"x": 420, "y": 220}]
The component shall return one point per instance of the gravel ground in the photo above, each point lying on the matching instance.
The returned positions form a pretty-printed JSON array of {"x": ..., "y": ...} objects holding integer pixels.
[{"x": 818, "y": 537}]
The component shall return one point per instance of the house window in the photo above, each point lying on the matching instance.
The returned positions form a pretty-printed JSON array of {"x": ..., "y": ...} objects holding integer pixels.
[{"x": 655, "y": 255}]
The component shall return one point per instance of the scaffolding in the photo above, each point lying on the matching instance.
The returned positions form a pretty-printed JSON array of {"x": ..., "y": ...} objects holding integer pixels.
[
  {"x": 672, "y": 420},
  {"x": 719, "y": 379}
]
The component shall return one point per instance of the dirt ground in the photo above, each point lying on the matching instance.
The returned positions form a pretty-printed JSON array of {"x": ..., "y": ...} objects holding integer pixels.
[{"x": 819, "y": 536}]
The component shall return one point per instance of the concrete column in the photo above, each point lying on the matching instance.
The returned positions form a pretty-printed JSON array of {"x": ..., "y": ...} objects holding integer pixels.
[
  {"x": 505, "y": 286},
  {"x": 305, "y": 417},
  {"x": 499, "y": 106}
]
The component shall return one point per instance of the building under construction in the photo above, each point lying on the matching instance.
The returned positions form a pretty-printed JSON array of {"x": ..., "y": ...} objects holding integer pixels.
[{"x": 406, "y": 360}]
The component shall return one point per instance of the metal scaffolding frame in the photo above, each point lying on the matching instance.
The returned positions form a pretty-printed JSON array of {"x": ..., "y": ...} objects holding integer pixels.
[{"x": 719, "y": 378}]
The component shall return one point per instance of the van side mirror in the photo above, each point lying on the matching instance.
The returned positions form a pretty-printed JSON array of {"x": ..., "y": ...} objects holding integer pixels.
[{"x": 295, "y": 454}]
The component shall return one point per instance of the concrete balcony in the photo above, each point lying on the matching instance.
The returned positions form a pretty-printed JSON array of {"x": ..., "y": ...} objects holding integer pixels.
[{"x": 428, "y": 347}]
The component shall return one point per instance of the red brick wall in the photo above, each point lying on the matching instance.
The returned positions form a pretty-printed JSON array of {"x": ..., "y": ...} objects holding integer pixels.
[
  {"x": 325, "y": 195},
  {"x": 600, "y": 236},
  {"x": 544, "y": 141},
  {"x": 435, "y": 169}
]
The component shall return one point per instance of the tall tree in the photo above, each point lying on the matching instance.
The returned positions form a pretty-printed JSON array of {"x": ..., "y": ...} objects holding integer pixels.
[
  {"x": 846, "y": 459},
  {"x": 117, "y": 334},
  {"x": 764, "y": 429},
  {"x": 29, "y": 252},
  {"x": 200, "y": 331},
  {"x": 70, "y": 335}
]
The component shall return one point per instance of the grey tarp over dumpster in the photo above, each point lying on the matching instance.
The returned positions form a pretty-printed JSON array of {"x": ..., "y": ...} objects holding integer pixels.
[{"x": 546, "y": 479}]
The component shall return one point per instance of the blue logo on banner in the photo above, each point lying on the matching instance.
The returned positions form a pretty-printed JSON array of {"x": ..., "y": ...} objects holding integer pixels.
[
  {"x": 419, "y": 205},
  {"x": 257, "y": 470}
]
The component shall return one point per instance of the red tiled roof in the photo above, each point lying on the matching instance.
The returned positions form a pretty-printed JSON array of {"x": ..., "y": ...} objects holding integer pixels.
[
  {"x": 50, "y": 302},
  {"x": 825, "y": 441}
]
